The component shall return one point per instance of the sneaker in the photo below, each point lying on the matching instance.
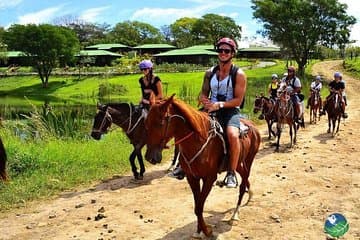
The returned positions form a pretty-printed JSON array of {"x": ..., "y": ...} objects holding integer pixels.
[
  {"x": 230, "y": 180},
  {"x": 178, "y": 173}
]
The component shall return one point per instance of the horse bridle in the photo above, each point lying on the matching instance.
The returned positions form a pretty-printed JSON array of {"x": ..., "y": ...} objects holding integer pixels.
[
  {"x": 106, "y": 116},
  {"x": 261, "y": 107},
  {"x": 212, "y": 133},
  {"x": 167, "y": 118}
]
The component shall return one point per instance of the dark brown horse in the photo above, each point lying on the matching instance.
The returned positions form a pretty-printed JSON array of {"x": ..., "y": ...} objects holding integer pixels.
[
  {"x": 315, "y": 106},
  {"x": 334, "y": 108},
  {"x": 3, "y": 175},
  {"x": 201, "y": 150},
  {"x": 131, "y": 119},
  {"x": 285, "y": 115},
  {"x": 267, "y": 108}
]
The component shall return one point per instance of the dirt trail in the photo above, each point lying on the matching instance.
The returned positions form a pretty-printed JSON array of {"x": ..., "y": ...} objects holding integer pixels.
[{"x": 294, "y": 191}]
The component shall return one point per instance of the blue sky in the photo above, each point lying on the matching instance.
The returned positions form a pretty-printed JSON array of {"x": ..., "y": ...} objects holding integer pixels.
[{"x": 155, "y": 12}]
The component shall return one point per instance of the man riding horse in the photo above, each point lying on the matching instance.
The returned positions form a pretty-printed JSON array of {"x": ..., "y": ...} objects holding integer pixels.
[{"x": 336, "y": 86}]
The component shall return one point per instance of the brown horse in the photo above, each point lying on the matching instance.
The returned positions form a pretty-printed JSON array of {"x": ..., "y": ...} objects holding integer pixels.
[
  {"x": 285, "y": 115},
  {"x": 131, "y": 119},
  {"x": 334, "y": 108},
  {"x": 3, "y": 175},
  {"x": 315, "y": 106},
  {"x": 267, "y": 108},
  {"x": 201, "y": 150}
]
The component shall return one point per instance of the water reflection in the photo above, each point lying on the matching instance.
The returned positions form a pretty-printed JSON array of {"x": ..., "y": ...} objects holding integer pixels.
[{"x": 17, "y": 108}]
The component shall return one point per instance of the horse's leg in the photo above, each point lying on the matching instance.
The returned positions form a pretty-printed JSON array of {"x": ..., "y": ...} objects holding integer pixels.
[
  {"x": 141, "y": 163},
  {"x": 245, "y": 184},
  {"x": 269, "y": 124},
  {"x": 295, "y": 133},
  {"x": 338, "y": 125},
  {"x": 278, "y": 126},
  {"x": 329, "y": 124},
  {"x": 311, "y": 113},
  {"x": 291, "y": 133},
  {"x": 132, "y": 163},
  {"x": 200, "y": 196}
]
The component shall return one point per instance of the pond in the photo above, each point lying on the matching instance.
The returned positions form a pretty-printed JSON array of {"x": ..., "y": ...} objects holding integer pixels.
[{"x": 17, "y": 107}]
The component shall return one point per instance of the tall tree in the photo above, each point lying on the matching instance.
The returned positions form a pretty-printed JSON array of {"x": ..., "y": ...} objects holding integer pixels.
[
  {"x": 181, "y": 31},
  {"x": 46, "y": 46},
  {"x": 87, "y": 33},
  {"x": 211, "y": 27},
  {"x": 133, "y": 33},
  {"x": 300, "y": 25}
]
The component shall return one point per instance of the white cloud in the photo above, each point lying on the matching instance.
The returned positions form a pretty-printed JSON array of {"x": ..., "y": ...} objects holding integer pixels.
[
  {"x": 90, "y": 15},
  {"x": 169, "y": 15},
  {"x": 9, "y": 4},
  {"x": 42, "y": 16}
]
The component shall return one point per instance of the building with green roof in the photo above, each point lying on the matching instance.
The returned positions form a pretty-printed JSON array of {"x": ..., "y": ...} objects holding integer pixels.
[
  {"x": 112, "y": 47},
  {"x": 153, "y": 48},
  {"x": 195, "y": 55},
  {"x": 101, "y": 57}
]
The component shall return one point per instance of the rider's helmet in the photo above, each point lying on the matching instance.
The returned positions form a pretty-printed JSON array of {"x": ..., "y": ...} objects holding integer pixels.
[
  {"x": 274, "y": 76},
  {"x": 145, "y": 64},
  {"x": 291, "y": 69},
  {"x": 227, "y": 41},
  {"x": 318, "y": 78},
  {"x": 337, "y": 75}
]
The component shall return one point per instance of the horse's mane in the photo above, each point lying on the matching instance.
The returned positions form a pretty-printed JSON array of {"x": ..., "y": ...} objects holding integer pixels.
[{"x": 198, "y": 120}]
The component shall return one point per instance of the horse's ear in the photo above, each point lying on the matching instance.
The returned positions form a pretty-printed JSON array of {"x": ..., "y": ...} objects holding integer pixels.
[
  {"x": 261, "y": 94},
  {"x": 166, "y": 104},
  {"x": 98, "y": 105}
]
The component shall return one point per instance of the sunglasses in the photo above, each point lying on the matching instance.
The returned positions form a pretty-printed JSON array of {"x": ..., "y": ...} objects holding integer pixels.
[
  {"x": 143, "y": 69},
  {"x": 221, "y": 50}
]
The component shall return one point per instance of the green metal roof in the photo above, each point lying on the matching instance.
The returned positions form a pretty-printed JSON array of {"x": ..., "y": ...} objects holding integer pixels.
[
  {"x": 154, "y": 46},
  {"x": 97, "y": 53},
  {"x": 108, "y": 46},
  {"x": 186, "y": 52},
  {"x": 13, "y": 54},
  {"x": 203, "y": 47},
  {"x": 260, "y": 49}
]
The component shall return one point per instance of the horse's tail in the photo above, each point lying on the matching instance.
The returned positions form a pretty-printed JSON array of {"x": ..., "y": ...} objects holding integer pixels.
[{"x": 3, "y": 175}]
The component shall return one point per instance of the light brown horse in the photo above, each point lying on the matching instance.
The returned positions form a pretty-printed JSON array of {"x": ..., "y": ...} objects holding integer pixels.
[
  {"x": 315, "y": 106},
  {"x": 201, "y": 150},
  {"x": 3, "y": 175}
]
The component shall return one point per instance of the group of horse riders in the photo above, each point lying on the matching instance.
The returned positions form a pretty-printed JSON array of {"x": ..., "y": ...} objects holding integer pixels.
[
  {"x": 217, "y": 95},
  {"x": 292, "y": 84}
]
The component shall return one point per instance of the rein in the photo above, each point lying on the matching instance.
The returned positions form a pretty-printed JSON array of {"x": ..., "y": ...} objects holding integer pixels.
[
  {"x": 212, "y": 134},
  {"x": 106, "y": 115}
]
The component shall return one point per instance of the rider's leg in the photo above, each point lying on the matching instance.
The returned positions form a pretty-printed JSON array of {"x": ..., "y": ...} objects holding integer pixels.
[
  {"x": 324, "y": 104},
  {"x": 234, "y": 150},
  {"x": 343, "y": 104},
  {"x": 345, "y": 100}
]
